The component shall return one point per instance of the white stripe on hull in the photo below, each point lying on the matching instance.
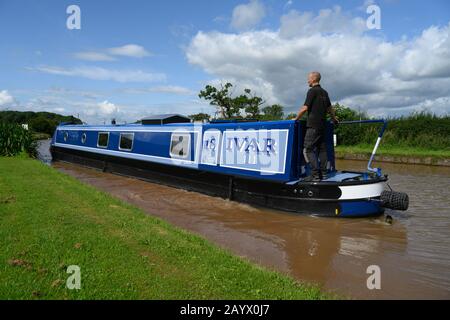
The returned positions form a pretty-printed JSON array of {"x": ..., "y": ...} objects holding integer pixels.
[{"x": 361, "y": 191}]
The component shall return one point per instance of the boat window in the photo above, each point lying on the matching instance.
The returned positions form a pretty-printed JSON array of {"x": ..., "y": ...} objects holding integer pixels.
[
  {"x": 126, "y": 141},
  {"x": 179, "y": 145},
  {"x": 83, "y": 138},
  {"x": 66, "y": 136},
  {"x": 103, "y": 138}
]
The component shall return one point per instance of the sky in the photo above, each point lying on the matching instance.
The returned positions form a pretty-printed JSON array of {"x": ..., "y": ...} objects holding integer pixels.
[{"x": 131, "y": 59}]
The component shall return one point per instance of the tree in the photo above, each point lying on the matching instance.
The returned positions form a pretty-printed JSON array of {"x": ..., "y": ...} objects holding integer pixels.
[
  {"x": 273, "y": 112},
  {"x": 200, "y": 117},
  {"x": 250, "y": 103},
  {"x": 232, "y": 107},
  {"x": 222, "y": 99},
  {"x": 43, "y": 125},
  {"x": 344, "y": 113}
]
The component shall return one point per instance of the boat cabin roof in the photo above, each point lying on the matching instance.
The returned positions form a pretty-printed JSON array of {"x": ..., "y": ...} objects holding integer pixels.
[
  {"x": 174, "y": 124},
  {"x": 165, "y": 119}
]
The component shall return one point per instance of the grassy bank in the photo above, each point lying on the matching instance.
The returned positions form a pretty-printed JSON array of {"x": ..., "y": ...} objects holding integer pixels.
[
  {"x": 49, "y": 221},
  {"x": 394, "y": 151}
]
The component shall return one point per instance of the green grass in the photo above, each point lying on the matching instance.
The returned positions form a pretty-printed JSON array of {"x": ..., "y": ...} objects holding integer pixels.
[
  {"x": 384, "y": 150},
  {"x": 49, "y": 221}
]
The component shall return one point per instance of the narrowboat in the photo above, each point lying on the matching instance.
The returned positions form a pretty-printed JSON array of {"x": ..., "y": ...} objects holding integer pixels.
[{"x": 256, "y": 162}]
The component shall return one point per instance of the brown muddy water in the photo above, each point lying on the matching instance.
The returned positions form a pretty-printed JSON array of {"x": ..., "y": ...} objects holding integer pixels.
[{"x": 413, "y": 253}]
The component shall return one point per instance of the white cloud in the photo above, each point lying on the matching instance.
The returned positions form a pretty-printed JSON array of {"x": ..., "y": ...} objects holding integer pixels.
[
  {"x": 98, "y": 107},
  {"x": 162, "y": 89},
  {"x": 93, "y": 56},
  {"x": 67, "y": 103},
  {"x": 59, "y": 110},
  {"x": 5, "y": 98},
  {"x": 97, "y": 73},
  {"x": 358, "y": 69},
  {"x": 333, "y": 20},
  {"x": 428, "y": 56},
  {"x": 107, "y": 108},
  {"x": 247, "y": 16},
  {"x": 129, "y": 50},
  {"x": 109, "y": 54}
]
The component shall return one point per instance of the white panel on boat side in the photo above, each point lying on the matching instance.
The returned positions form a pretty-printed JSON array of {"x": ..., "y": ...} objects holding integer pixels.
[
  {"x": 361, "y": 191},
  {"x": 211, "y": 147},
  {"x": 263, "y": 150}
]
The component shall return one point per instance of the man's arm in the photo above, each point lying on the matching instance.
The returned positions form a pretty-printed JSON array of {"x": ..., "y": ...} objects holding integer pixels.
[
  {"x": 301, "y": 112},
  {"x": 331, "y": 111},
  {"x": 308, "y": 102}
]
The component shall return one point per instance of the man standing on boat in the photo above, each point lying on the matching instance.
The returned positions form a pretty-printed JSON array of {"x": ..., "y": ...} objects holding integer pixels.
[{"x": 317, "y": 104}]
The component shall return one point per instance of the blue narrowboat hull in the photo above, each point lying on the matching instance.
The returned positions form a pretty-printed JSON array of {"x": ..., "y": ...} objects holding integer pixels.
[{"x": 260, "y": 163}]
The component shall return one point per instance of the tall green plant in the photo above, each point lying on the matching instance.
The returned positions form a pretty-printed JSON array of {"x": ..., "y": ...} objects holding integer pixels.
[{"x": 14, "y": 139}]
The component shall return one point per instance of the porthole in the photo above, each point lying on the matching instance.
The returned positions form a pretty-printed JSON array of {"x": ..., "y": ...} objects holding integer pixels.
[{"x": 83, "y": 138}]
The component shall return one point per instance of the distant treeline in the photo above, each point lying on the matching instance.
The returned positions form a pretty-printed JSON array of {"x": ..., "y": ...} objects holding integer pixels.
[{"x": 44, "y": 122}]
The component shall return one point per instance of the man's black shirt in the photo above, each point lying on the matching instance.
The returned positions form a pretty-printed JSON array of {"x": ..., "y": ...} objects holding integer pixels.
[{"x": 318, "y": 102}]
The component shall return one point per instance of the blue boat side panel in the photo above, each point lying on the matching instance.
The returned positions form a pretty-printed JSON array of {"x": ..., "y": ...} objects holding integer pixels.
[
  {"x": 150, "y": 146},
  {"x": 270, "y": 150},
  {"x": 360, "y": 208},
  {"x": 261, "y": 150}
]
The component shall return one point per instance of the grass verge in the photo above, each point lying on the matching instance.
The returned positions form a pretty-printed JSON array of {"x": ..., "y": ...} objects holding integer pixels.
[
  {"x": 49, "y": 221},
  {"x": 394, "y": 151}
]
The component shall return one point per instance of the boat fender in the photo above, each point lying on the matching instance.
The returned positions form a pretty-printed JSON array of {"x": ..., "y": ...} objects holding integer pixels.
[{"x": 394, "y": 200}]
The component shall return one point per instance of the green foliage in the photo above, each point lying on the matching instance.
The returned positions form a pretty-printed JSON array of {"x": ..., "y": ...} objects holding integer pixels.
[
  {"x": 43, "y": 122},
  {"x": 231, "y": 106},
  {"x": 200, "y": 117},
  {"x": 419, "y": 130},
  {"x": 14, "y": 139},
  {"x": 290, "y": 116},
  {"x": 346, "y": 114},
  {"x": 43, "y": 125},
  {"x": 222, "y": 99},
  {"x": 273, "y": 112}
]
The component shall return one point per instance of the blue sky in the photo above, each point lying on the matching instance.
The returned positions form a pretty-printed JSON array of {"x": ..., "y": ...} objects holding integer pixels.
[{"x": 133, "y": 58}]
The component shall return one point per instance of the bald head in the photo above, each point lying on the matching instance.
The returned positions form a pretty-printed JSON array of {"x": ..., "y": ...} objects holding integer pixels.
[{"x": 314, "y": 78}]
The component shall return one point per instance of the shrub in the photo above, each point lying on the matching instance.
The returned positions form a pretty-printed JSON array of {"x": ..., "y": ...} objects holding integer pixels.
[
  {"x": 418, "y": 130},
  {"x": 14, "y": 139}
]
